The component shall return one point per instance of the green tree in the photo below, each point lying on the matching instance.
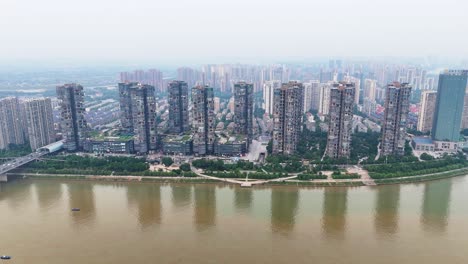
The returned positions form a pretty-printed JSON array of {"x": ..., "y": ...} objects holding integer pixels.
[
  {"x": 270, "y": 146},
  {"x": 167, "y": 161},
  {"x": 426, "y": 156},
  {"x": 185, "y": 167}
]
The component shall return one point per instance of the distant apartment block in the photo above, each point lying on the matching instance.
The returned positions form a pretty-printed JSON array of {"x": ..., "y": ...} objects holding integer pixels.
[
  {"x": 203, "y": 120},
  {"x": 217, "y": 104},
  {"x": 426, "y": 111},
  {"x": 243, "y": 109},
  {"x": 188, "y": 75},
  {"x": 72, "y": 116},
  {"x": 369, "y": 107},
  {"x": 11, "y": 126},
  {"x": 268, "y": 93},
  {"x": 287, "y": 116},
  {"x": 311, "y": 96},
  {"x": 324, "y": 100},
  {"x": 138, "y": 114},
  {"x": 370, "y": 89},
  {"x": 178, "y": 107},
  {"x": 151, "y": 77},
  {"x": 340, "y": 120},
  {"x": 397, "y": 103},
  {"x": 40, "y": 122},
  {"x": 326, "y": 76},
  {"x": 357, "y": 90}
]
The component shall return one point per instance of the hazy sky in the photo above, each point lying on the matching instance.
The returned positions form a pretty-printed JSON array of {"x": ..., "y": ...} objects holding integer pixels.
[{"x": 229, "y": 30}]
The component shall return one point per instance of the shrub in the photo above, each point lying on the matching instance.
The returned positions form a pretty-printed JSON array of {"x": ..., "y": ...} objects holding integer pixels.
[
  {"x": 306, "y": 177},
  {"x": 426, "y": 156},
  {"x": 346, "y": 176}
]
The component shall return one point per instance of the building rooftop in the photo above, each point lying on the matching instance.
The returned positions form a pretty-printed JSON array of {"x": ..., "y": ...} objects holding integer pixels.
[
  {"x": 423, "y": 140},
  {"x": 343, "y": 85},
  {"x": 178, "y": 138},
  {"x": 400, "y": 85},
  {"x": 224, "y": 138},
  {"x": 455, "y": 72},
  {"x": 112, "y": 138}
]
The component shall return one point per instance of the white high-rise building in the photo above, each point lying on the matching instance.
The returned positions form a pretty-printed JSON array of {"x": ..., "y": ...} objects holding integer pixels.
[
  {"x": 40, "y": 122},
  {"x": 464, "y": 124},
  {"x": 268, "y": 94},
  {"x": 370, "y": 89},
  {"x": 426, "y": 111},
  {"x": 357, "y": 85},
  {"x": 217, "y": 104},
  {"x": 324, "y": 99},
  {"x": 410, "y": 74},
  {"x": 11, "y": 127}
]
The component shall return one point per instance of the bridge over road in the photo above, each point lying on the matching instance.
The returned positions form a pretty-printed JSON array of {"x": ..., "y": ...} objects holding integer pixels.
[{"x": 20, "y": 161}]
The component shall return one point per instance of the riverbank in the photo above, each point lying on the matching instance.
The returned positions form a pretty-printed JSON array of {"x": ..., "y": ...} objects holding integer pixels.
[
  {"x": 113, "y": 178},
  {"x": 288, "y": 182},
  {"x": 423, "y": 178}
]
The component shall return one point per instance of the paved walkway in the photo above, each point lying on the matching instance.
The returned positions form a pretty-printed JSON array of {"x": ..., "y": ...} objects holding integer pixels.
[{"x": 245, "y": 183}]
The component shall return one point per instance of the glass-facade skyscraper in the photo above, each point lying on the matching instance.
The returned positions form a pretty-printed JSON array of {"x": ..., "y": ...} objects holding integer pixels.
[{"x": 449, "y": 105}]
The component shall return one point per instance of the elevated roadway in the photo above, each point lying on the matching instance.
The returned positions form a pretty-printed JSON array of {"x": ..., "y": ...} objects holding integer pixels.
[{"x": 20, "y": 161}]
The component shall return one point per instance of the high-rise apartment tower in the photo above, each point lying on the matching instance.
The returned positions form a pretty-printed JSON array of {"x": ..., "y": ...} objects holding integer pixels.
[
  {"x": 40, "y": 122},
  {"x": 397, "y": 101},
  {"x": 243, "y": 109},
  {"x": 11, "y": 127},
  {"x": 138, "y": 114},
  {"x": 340, "y": 120},
  {"x": 72, "y": 116},
  {"x": 287, "y": 117},
  {"x": 178, "y": 107},
  {"x": 203, "y": 120}
]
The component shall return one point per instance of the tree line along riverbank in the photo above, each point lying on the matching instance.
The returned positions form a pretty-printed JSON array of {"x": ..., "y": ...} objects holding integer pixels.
[
  {"x": 88, "y": 165},
  {"x": 84, "y": 166}
]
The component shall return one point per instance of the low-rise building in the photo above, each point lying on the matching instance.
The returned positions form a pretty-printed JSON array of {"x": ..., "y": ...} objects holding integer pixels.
[
  {"x": 116, "y": 145},
  {"x": 423, "y": 144},
  {"x": 178, "y": 145},
  {"x": 227, "y": 145},
  {"x": 445, "y": 146},
  {"x": 428, "y": 144}
]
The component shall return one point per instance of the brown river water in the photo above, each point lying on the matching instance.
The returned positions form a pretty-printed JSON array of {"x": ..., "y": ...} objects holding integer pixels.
[{"x": 208, "y": 223}]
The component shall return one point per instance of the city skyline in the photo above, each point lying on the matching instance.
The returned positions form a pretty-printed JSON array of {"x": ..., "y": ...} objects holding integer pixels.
[{"x": 238, "y": 120}]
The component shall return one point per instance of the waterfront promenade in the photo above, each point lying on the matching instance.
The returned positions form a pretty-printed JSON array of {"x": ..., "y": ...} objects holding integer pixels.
[{"x": 290, "y": 180}]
